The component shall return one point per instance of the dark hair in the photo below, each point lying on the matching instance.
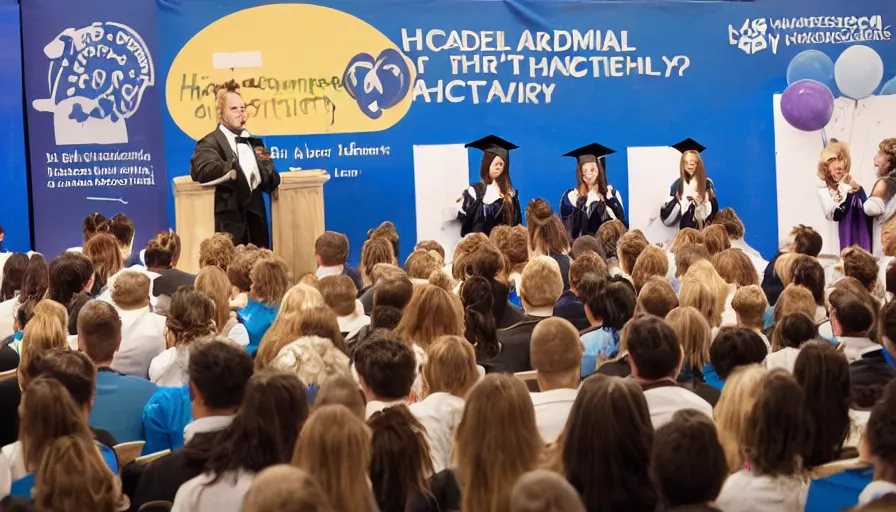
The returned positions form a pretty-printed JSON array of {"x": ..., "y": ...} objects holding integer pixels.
[
  {"x": 808, "y": 272},
  {"x": 384, "y": 317},
  {"x": 733, "y": 347},
  {"x": 881, "y": 427},
  {"x": 867, "y": 380},
  {"x": 887, "y": 321},
  {"x": 13, "y": 273},
  {"x": 400, "y": 463},
  {"x": 265, "y": 430},
  {"x": 793, "y": 330},
  {"x": 70, "y": 368},
  {"x": 684, "y": 478},
  {"x": 36, "y": 279},
  {"x": 853, "y": 315},
  {"x": 93, "y": 224},
  {"x": 395, "y": 292},
  {"x": 387, "y": 365},
  {"x": 505, "y": 185},
  {"x": 586, "y": 243},
  {"x": 806, "y": 241},
  {"x": 778, "y": 431},
  {"x": 123, "y": 228},
  {"x": 612, "y": 301},
  {"x": 607, "y": 444},
  {"x": 480, "y": 327},
  {"x": 162, "y": 251},
  {"x": 823, "y": 373},
  {"x": 69, "y": 273},
  {"x": 653, "y": 347},
  {"x": 220, "y": 372}
]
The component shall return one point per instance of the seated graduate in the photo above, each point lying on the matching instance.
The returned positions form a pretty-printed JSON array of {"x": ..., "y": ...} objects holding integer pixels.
[
  {"x": 584, "y": 208},
  {"x": 692, "y": 199},
  {"x": 492, "y": 200}
]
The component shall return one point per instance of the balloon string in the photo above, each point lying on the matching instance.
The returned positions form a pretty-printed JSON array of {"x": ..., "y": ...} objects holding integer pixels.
[{"x": 824, "y": 137}]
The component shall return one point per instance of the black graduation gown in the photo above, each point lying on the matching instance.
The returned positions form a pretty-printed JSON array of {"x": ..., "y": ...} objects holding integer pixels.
[
  {"x": 477, "y": 217},
  {"x": 671, "y": 212},
  {"x": 581, "y": 219},
  {"x": 239, "y": 210}
]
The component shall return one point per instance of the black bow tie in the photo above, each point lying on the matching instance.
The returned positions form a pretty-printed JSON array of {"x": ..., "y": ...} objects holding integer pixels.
[{"x": 244, "y": 140}]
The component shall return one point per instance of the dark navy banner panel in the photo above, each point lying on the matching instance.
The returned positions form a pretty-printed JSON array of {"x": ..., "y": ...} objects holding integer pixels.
[
  {"x": 13, "y": 169},
  {"x": 379, "y": 93},
  {"x": 94, "y": 120}
]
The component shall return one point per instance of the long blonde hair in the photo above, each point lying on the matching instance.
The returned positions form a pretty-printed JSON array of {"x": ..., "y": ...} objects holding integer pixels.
[
  {"x": 496, "y": 442},
  {"x": 286, "y": 327},
  {"x": 741, "y": 390},
  {"x": 698, "y": 295},
  {"x": 704, "y": 272},
  {"x": 431, "y": 313},
  {"x": 213, "y": 282},
  {"x": 694, "y": 334},
  {"x": 334, "y": 446},
  {"x": 45, "y": 331}
]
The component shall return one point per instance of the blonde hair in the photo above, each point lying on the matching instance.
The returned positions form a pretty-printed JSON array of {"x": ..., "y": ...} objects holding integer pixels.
[
  {"x": 73, "y": 477},
  {"x": 741, "y": 390},
  {"x": 283, "y": 488},
  {"x": 545, "y": 491},
  {"x": 131, "y": 289},
  {"x": 47, "y": 330},
  {"x": 217, "y": 250},
  {"x": 496, "y": 442},
  {"x": 684, "y": 237},
  {"x": 794, "y": 299},
  {"x": 431, "y": 314},
  {"x": 694, "y": 334},
  {"x": 750, "y": 304},
  {"x": 735, "y": 267},
  {"x": 421, "y": 264},
  {"x": 698, "y": 295},
  {"x": 286, "y": 326},
  {"x": 450, "y": 366},
  {"x": 376, "y": 250},
  {"x": 341, "y": 390},
  {"x": 541, "y": 283},
  {"x": 270, "y": 281},
  {"x": 651, "y": 262},
  {"x": 835, "y": 151},
  {"x": 213, "y": 282},
  {"x": 339, "y": 293},
  {"x": 784, "y": 266},
  {"x": 715, "y": 238},
  {"x": 704, "y": 272},
  {"x": 334, "y": 446}
]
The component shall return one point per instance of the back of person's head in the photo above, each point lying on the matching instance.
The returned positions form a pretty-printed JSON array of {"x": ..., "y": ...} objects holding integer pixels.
[
  {"x": 555, "y": 349},
  {"x": 431, "y": 245},
  {"x": 270, "y": 281},
  {"x": 738, "y": 396},
  {"x": 612, "y": 303},
  {"x": 793, "y": 331},
  {"x": 794, "y": 299},
  {"x": 386, "y": 366},
  {"x": 47, "y": 412},
  {"x": 484, "y": 261},
  {"x": 69, "y": 273},
  {"x": 686, "y": 236},
  {"x": 373, "y": 252},
  {"x": 70, "y": 368},
  {"x": 73, "y": 476},
  {"x": 450, "y": 367},
  {"x": 652, "y": 262},
  {"x": 733, "y": 347},
  {"x": 480, "y": 326},
  {"x": 322, "y": 321},
  {"x": 384, "y": 317},
  {"x": 544, "y": 491},
  {"x": 387, "y": 231},
  {"x": 808, "y": 272},
  {"x": 859, "y": 264},
  {"x": 628, "y": 248},
  {"x": 285, "y": 489},
  {"x": 887, "y": 322},
  {"x": 400, "y": 463},
  {"x": 609, "y": 234},
  {"x": 657, "y": 297},
  {"x": 334, "y": 446},
  {"x": 683, "y": 478},
  {"x": 163, "y": 251},
  {"x": 431, "y": 313},
  {"x": 384, "y": 271},
  {"x": 339, "y": 293},
  {"x": 587, "y": 243},
  {"x": 806, "y": 241},
  {"x": 587, "y": 263},
  {"x": 879, "y": 442},
  {"x": 131, "y": 290},
  {"x": 217, "y": 251},
  {"x": 467, "y": 245},
  {"x": 716, "y": 240},
  {"x": 219, "y": 372},
  {"x": 266, "y": 427},
  {"x": 750, "y": 304},
  {"x": 36, "y": 279},
  {"x": 191, "y": 315},
  {"x": 341, "y": 390},
  {"x": 212, "y": 281},
  {"x": 332, "y": 248},
  {"x": 687, "y": 255},
  {"x": 421, "y": 264},
  {"x": 546, "y": 232},
  {"x": 697, "y": 294},
  {"x": 104, "y": 253},
  {"x": 395, "y": 292},
  {"x": 778, "y": 433},
  {"x": 239, "y": 273},
  {"x": 94, "y": 223},
  {"x": 823, "y": 373},
  {"x": 850, "y": 316},
  {"x": 653, "y": 348},
  {"x": 13, "y": 273},
  {"x": 852, "y": 286},
  {"x": 496, "y": 442},
  {"x": 609, "y": 428},
  {"x": 122, "y": 227},
  {"x": 99, "y": 331},
  {"x": 728, "y": 219},
  {"x": 300, "y": 299},
  {"x": 45, "y": 330},
  {"x": 694, "y": 335},
  {"x": 735, "y": 267}
]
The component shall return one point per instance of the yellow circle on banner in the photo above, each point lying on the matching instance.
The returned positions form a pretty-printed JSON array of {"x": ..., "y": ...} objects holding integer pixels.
[{"x": 290, "y": 60}]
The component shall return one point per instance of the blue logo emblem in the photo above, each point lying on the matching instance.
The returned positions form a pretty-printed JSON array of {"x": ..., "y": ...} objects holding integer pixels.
[{"x": 377, "y": 84}]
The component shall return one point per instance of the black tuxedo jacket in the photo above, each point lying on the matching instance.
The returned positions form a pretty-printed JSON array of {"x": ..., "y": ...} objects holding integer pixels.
[{"x": 239, "y": 210}]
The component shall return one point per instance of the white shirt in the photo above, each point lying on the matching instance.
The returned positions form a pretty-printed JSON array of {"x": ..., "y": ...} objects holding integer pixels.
[
  {"x": 7, "y": 310},
  {"x": 225, "y": 495},
  {"x": 170, "y": 367},
  {"x": 876, "y": 489},
  {"x": 238, "y": 334},
  {"x": 784, "y": 358},
  {"x": 12, "y": 466},
  {"x": 323, "y": 272},
  {"x": 663, "y": 402},
  {"x": 551, "y": 411},
  {"x": 246, "y": 155},
  {"x": 440, "y": 414},
  {"x": 746, "y": 492},
  {"x": 142, "y": 339},
  {"x": 729, "y": 316},
  {"x": 375, "y": 406},
  {"x": 351, "y": 324},
  {"x": 207, "y": 424},
  {"x": 855, "y": 348}
]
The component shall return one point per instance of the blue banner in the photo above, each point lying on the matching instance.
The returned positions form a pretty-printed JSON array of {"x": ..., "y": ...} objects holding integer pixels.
[
  {"x": 94, "y": 119},
  {"x": 14, "y": 179}
]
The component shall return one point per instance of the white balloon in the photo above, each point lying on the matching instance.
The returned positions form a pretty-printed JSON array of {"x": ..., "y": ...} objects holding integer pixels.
[{"x": 858, "y": 71}]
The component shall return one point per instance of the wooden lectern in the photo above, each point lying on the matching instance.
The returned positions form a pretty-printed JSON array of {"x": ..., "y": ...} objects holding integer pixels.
[{"x": 297, "y": 218}]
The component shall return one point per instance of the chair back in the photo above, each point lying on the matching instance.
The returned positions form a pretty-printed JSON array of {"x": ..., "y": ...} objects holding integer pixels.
[{"x": 128, "y": 452}]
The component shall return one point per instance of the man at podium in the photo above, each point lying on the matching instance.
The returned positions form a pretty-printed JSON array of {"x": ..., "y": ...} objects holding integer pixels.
[{"x": 240, "y": 168}]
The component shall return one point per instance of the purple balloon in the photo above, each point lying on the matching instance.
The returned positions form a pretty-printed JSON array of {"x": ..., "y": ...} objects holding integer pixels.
[{"x": 807, "y": 105}]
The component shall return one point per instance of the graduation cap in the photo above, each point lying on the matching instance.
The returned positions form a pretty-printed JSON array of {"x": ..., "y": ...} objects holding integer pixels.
[
  {"x": 590, "y": 153},
  {"x": 494, "y": 145},
  {"x": 689, "y": 144}
]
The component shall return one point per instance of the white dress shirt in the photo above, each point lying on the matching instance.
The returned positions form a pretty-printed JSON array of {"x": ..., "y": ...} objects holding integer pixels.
[
  {"x": 552, "y": 410},
  {"x": 170, "y": 368},
  {"x": 207, "y": 424},
  {"x": 323, "y": 271},
  {"x": 351, "y": 324},
  {"x": 7, "y": 320},
  {"x": 663, "y": 402},
  {"x": 246, "y": 155},
  {"x": 745, "y": 491},
  {"x": 375, "y": 406},
  {"x": 440, "y": 414},
  {"x": 142, "y": 339},
  {"x": 225, "y": 495}
]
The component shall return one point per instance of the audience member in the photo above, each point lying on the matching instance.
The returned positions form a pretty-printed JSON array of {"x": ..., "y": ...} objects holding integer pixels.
[
  {"x": 556, "y": 354},
  {"x": 657, "y": 297},
  {"x": 331, "y": 250},
  {"x": 161, "y": 257},
  {"x": 339, "y": 293},
  {"x": 789, "y": 335},
  {"x": 733, "y": 347},
  {"x": 545, "y": 491},
  {"x": 608, "y": 306},
  {"x": 212, "y": 281},
  {"x": 191, "y": 318},
  {"x": 400, "y": 463},
  {"x": 71, "y": 277},
  {"x": 694, "y": 335},
  {"x": 217, "y": 251},
  {"x": 270, "y": 282},
  {"x": 285, "y": 489},
  {"x": 570, "y": 305},
  {"x": 738, "y": 397},
  {"x": 823, "y": 373},
  {"x": 386, "y": 369},
  {"x": 341, "y": 390},
  {"x": 142, "y": 331},
  {"x": 287, "y": 325}
]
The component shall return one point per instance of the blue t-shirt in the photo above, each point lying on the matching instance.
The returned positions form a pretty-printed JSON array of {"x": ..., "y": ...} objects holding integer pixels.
[
  {"x": 839, "y": 491},
  {"x": 119, "y": 403},
  {"x": 257, "y": 318},
  {"x": 601, "y": 343}
]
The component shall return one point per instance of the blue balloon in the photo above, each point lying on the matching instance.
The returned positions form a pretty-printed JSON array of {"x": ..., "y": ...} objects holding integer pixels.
[
  {"x": 888, "y": 88},
  {"x": 811, "y": 65}
]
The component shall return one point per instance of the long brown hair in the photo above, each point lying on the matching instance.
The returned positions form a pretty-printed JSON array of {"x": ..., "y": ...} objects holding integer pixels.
[
  {"x": 823, "y": 373},
  {"x": 699, "y": 174},
  {"x": 496, "y": 442},
  {"x": 376, "y": 250},
  {"x": 190, "y": 316},
  {"x": 431, "y": 313},
  {"x": 103, "y": 251},
  {"x": 547, "y": 235},
  {"x": 582, "y": 188},
  {"x": 505, "y": 185},
  {"x": 213, "y": 282},
  {"x": 48, "y": 412},
  {"x": 73, "y": 477},
  {"x": 400, "y": 462},
  {"x": 334, "y": 446}
]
